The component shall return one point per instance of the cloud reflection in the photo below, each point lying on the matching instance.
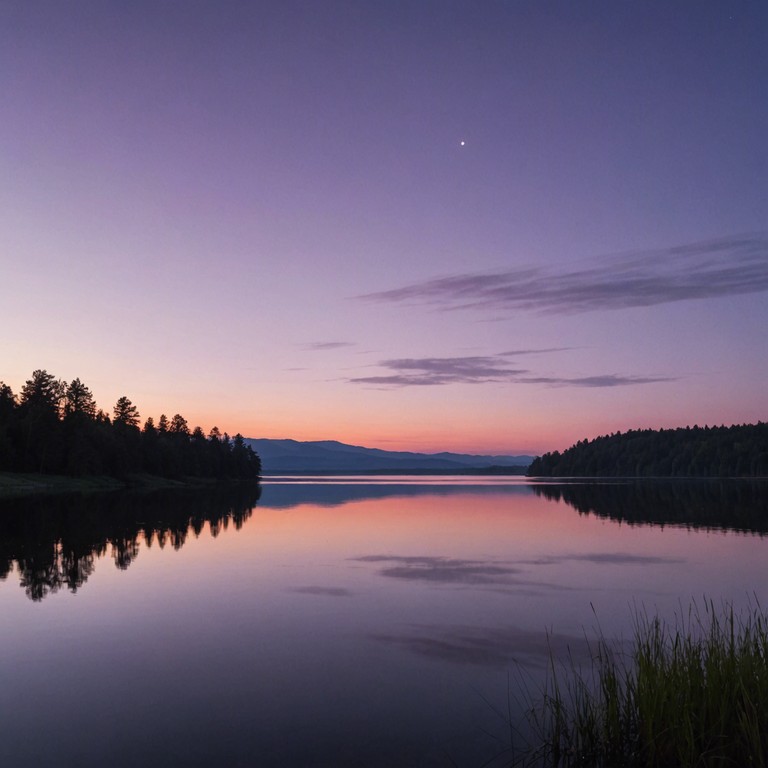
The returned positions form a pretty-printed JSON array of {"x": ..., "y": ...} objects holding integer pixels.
[
  {"x": 605, "y": 558},
  {"x": 497, "y": 576},
  {"x": 486, "y": 646},
  {"x": 444, "y": 570},
  {"x": 326, "y": 591}
]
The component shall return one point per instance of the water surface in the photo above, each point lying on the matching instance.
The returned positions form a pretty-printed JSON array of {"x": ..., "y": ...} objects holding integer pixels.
[{"x": 335, "y": 621}]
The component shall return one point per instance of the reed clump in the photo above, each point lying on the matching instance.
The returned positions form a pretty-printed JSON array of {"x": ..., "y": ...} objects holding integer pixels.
[{"x": 690, "y": 693}]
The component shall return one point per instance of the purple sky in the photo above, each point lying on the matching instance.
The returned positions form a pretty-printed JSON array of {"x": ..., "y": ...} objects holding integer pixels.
[{"x": 261, "y": 215}]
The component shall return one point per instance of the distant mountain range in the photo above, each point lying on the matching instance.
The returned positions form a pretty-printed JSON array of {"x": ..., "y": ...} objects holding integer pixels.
[{"x": 278, "y": 456}]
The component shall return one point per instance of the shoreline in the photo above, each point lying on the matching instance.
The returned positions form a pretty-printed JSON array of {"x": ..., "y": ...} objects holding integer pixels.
[
  {"x": 31, "y": 484},
  {"x": 513, "y": 471}
]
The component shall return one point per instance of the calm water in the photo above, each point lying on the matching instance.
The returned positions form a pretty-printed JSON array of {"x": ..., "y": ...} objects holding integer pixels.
[{"x": 335, "y": 622}]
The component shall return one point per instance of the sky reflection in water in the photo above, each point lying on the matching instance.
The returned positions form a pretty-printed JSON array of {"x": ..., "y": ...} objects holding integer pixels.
[{"x": 334, "y": 624}]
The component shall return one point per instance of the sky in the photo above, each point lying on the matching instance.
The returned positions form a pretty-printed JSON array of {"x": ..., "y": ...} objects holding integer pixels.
[{"x": 487, "y": 227}]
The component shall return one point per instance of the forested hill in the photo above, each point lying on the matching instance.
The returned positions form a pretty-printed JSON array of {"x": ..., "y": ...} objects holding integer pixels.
[
  {"x": 55, "y": 427},
  {"x": 737, "y": 451},
  {"x": 279, "y": 456}
]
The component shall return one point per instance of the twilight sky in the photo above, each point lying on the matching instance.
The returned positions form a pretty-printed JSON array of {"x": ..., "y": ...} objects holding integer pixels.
[{"x": 478, "y": 226}]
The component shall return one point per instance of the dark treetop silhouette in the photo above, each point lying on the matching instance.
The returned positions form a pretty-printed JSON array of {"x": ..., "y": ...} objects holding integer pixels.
[
  {"x": 55, "y": 428},
  {"x": 737, "y": 451}
]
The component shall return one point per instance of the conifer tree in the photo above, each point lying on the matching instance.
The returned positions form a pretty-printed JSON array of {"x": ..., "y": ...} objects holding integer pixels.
[
  {"x": 79, "y": 399},
  {"x": 126, "y": 413}
]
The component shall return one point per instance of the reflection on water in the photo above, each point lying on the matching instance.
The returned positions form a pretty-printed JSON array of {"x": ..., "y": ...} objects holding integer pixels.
[
  {"x": 332, "y": 491},
  {"x": 489, "y": 646},
  {"x": 335, "y": 623},
  {"x": 738, "y": 505},
  {"x": 53, "y": 541}
]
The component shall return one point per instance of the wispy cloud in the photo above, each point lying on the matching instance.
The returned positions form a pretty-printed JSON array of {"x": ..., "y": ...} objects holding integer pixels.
[
  {"x": 430, "y": 371},
  {"x": 606, "y": 380},
  {"x": 729, "y": 266},
  {"x": 436, "y": 371},
  {"x": 518, "y": 352},
  {"x": 316, "y": 346}
]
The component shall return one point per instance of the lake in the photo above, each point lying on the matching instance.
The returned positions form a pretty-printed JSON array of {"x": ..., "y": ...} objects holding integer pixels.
[{"x": 360, "y": 621}]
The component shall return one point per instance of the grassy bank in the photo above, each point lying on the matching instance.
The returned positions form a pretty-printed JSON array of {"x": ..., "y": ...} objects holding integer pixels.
[
  {"x": 694, "y": 693},
  {"x": 20, "y": 484}
]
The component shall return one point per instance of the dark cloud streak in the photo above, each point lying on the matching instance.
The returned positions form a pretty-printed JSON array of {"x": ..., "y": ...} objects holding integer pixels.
[
  {"x": 606, "y": 380},
  {"x": 316, "y": 346},
  {"x": 436, "y": 371},
  {"x": 730, "y": 266}
]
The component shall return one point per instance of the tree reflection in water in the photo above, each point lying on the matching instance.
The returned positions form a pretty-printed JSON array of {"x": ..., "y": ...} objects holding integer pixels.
[
  {"x": 725, "y": 505},
  {"x": 54, "y": 541}
]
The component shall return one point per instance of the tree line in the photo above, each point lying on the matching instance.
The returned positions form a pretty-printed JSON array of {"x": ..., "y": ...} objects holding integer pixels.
[
  {"x": 55, "y": 427},
  {"x": 735, "y": 451}
]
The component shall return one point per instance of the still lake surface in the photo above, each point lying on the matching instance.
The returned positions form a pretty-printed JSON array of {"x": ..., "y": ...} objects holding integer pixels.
[{"x": 359, "y": 621}]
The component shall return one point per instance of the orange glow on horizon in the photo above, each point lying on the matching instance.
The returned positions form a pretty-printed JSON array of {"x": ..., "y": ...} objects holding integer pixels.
[{"x": 422, "y": 425}]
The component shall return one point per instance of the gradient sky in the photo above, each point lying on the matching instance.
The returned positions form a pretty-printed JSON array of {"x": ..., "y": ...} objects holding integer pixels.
[{"x": 261, "y": 214}]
